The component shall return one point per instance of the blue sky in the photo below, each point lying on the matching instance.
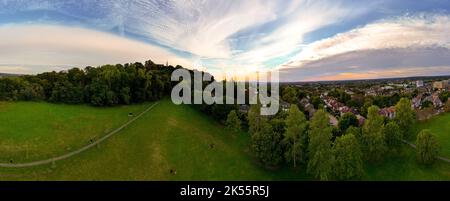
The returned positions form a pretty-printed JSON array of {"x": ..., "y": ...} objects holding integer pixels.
[{"x": 304, "y": 40}]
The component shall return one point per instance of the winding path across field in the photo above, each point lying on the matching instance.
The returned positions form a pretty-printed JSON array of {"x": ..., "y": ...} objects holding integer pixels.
[
  {"x": 65, "y": 156},
  {"x": 415, "y": 147}
]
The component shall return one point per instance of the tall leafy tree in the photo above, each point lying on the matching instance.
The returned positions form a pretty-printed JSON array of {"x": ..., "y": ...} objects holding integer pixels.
[
  {"x": 347, "y": 120},
  {"x": 290, "y": 95},
  {"x": 356, "y": 131},
  {"x": 393, "y": 135},
  {"x": 365, "y": 108},
  {"x": 405, "y": 116},
  {"x": 233, "y": 122},
  {"x": 296, "y": 126},
  {"x": 320, "y": 155},
  {"x": 254, "y": 117},
  {"x": 427, "y": 147},
  {"x": 373, "y": 142},
  {"x": 348, "y": 158},
  {"x": 266, "y": 144}
]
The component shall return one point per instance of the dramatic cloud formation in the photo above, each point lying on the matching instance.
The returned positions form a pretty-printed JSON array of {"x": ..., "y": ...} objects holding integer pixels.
[
  {"x": 370, "y": 64},
  {"x": 384, "y": 47},
  {"x": 204, "y": 28},
  {"x": 307, "y": 40},
  {"x": 400, "y": 33}
]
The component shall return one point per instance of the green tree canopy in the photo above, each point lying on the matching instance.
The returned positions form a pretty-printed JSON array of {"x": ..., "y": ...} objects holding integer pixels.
[
  {"x": 348, "y": 158},
  {"x": 356, "y": 131},
  {"x": 290, "y": 95},
  {"x": 266, "y": 144},
  {"x": 427, "y": 147},
  {"x": 233, "y": 122},
  {"x": 320, "y": 155},
  {"x": 444, "y": 96},
  {"x": 405, "y": 116},
  {"x": 393, "y": 135},
  {"x": 373, "y": 142},
  {"x": 347, "y": 120},
  {"x": 100, "y": 86},
  {"x": 254, "y": 117},
  {"x": 294, "y": 137}
]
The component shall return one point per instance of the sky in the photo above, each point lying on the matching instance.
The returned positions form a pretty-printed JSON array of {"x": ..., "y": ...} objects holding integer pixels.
[{"x": 303, "y": 40}]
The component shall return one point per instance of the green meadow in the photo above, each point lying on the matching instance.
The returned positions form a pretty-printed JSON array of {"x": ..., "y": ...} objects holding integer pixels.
[
  {"x": 440, "y": 127},
  {"x": 168, "y": 137},
  {"x": 32, "y": 131}
]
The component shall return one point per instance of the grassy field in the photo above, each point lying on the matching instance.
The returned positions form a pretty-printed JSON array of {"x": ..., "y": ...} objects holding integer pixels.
[
  {"x": 402, "y": 166},
  {"x": 32, "y": 131},
  {"x": 439, "y": 126},
  {"x": 167, "y": 137}
]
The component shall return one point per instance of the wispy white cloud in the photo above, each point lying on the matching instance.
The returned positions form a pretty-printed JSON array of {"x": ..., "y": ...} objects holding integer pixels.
[
  {"x": 243, "y": 32},
  {"x": 51, "y": 46},
  {"x": 302, "y": 18},
  {"x": 204, "y": 28}
]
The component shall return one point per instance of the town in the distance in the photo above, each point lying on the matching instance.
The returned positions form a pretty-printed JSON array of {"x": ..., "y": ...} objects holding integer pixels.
[{"x": 429, "y": 96}]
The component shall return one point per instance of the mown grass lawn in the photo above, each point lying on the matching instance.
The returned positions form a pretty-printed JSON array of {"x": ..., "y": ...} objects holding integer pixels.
[
  {"x": 32, "y": 131},
  {"x": 402, "y": 166},
  {"x": 167, "y": 137},
  {"x": 440, "y": 127}
]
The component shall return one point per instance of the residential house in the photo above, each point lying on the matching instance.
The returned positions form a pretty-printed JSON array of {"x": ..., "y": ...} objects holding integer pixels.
[
  {"x": 417, "y": 101},
  {"x": 333, "y": 120},
  {"x": 388, "y": 112},
  {"x": 333, "y": 104},
  {"x": 419, "y": 83},
  {"x": 304, "y": 101},
  {"x": 436, "y": 100},
  {"x": 361, "y": 120},
  {"x": 345, "y": 109}
]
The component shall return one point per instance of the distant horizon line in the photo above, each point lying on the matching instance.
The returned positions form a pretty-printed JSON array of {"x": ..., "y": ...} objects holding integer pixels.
[
  {"x": 371, "y": 79},
  {"x": 288, "y": 82}
]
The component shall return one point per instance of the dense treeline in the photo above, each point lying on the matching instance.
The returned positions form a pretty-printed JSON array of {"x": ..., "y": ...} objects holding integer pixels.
[{"x": 102, "y": 86}]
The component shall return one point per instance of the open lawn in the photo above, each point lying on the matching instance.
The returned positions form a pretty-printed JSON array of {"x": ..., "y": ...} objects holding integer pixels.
[
  {"x": 167, "y": 137},
  {"x": 439, "y": 126},
  {"x": 33, "y": 131},
  {"x": 402, "y": 166}
]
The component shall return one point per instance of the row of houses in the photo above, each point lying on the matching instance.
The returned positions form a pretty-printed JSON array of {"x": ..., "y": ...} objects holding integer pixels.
[
  {"x": 421, "y": 98},
  {"x": 338, "y": 107}
]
